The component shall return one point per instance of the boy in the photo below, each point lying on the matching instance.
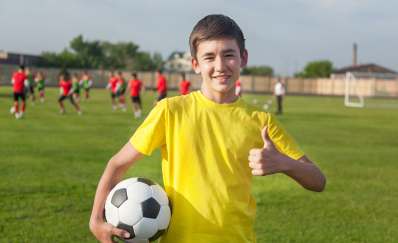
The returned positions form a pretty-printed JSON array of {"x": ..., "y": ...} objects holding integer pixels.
[
  {"x": 30, "y": 85},
  {"x": 40, "y": 80},
  {"x": 76, "y": 88},
  {"x": 279, "y": 93},
  {"x": 134, "y": 86},
  {"x": 212, "y": 143},
  {"x": 121, "y": 91},
  {"x": 19, "y": 81},
  {"x": 160, "y": 87},
  {"x": 238, "y": 89},
  {"x": 87, "y": 82},
  {"x": 184, "y": 85},
  {"x": 66, "y": 92},
  {"x": 114, "y": 85}
]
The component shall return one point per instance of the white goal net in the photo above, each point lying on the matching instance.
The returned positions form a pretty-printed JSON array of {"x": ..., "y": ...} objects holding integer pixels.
[{"x": 371, "y": 90}]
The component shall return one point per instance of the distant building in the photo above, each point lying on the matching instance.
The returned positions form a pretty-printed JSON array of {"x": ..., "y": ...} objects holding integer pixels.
[
  {"x": 365, "y": 71},
  {"x": 179, "y": 62},
  {"x": 19, "y": 59}
]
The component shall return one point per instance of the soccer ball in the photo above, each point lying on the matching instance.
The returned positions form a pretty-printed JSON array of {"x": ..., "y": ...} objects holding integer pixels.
[
  {"x": 265, "y": 107},
  {"x": 139, "y": 206},
  {"x": 255, "y": 101},
  {"x": 12, "y": 110},
  {"x": 269, "y": 102}
]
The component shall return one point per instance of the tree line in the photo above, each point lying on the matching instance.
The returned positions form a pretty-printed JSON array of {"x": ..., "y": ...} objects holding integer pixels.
[{"x": 103, "y": 55}]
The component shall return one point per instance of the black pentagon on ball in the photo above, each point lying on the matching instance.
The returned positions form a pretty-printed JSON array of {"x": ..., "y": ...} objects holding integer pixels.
[
  {"x": 150, "y": 208},
  {"x": 157, "y": 235},
  {"x": 127, "y": 228},
  {"x": 119, "y": 197},
  {"x": 146, "y": 181}
]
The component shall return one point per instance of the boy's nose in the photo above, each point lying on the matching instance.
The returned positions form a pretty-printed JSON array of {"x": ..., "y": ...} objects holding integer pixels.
[{"x": 220, "y": 65}]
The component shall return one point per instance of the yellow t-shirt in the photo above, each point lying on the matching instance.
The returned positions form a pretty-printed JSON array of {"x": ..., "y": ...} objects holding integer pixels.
[{"x": 205, "y": 148}]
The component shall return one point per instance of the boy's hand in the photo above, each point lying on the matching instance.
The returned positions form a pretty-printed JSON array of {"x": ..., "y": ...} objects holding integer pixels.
[
  {"x": 105, "y": 231},
  {"x": 268, "y": 160}
]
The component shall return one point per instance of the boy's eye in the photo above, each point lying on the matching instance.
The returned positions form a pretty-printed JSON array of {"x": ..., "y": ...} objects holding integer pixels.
[{"x": 209, "y": 58}]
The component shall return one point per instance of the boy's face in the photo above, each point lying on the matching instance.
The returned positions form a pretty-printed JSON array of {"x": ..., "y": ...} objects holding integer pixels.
[{"x": 219, "y": 62}]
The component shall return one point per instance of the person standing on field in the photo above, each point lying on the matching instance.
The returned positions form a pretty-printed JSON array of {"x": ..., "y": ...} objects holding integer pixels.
[
  {"x": 30, "y": 85},
  {"x": 66, "y": 92},
  {"x": 238, "y": 90},
  {"x": 86, "y": 82},
  {"x": 135, "y": 86},
  {"x": 279, "y": 93},
  {"x": 185, "y": 85},
  {"x": 161, "y": 87},
  {"x": 114, "y": 86},
  {"x": 19, "y": 81},
  {"x": 40, "y": 80}
]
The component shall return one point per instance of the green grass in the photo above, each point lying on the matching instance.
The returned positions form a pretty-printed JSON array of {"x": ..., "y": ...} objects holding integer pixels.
[{"x": 50, "y": 165}]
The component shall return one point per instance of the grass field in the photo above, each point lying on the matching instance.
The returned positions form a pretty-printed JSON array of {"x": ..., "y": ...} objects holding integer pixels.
[{"x": 50, "y": 165}]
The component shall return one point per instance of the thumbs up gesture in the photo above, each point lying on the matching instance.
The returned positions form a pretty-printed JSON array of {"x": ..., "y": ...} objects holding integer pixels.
[{"x": 268, "y": 160}]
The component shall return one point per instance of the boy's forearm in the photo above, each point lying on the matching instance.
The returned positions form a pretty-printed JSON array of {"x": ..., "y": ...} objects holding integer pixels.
[{"x": 305, "y": 173}]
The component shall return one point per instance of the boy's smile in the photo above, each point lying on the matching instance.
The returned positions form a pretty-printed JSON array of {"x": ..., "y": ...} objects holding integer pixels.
[{"x": 219, "y": 62}]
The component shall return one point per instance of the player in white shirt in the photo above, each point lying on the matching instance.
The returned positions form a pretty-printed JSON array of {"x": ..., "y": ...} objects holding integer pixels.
[{"x": 279, "y": 92}]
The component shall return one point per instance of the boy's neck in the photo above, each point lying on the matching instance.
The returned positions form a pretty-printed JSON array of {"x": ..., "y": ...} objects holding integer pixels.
[{"x": 220, "y": 97}]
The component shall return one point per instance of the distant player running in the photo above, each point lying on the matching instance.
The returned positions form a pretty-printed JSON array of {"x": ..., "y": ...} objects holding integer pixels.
[
  {"x": 114, "y": 85},
  {"x": 30, "y": 85},
  {"x": 238, "y": 89},
  {"x": 40, "y": 80},
  {"x": 76, "y": 88},
  {"x": 86, "y": 82},
  {"x": 134, "y": 86},
  {"x": 19, "y": 81},
  {"x": 185, "y": 85},
  {"x": 122, "y": 91},
  {"x": 66, "y": 92},
  {"x": 160, "y": 87}
]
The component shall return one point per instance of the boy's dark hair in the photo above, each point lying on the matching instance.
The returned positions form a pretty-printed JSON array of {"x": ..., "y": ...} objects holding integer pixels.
[
  {"x": 21, "y": 67},
  {"x": 215, "y": 26},
  {"x": 159, "y": 71},
  {"x": 119, "y": 72},
  {"x": 182, "y": 75},
  {"x": 134, "y": 75}
]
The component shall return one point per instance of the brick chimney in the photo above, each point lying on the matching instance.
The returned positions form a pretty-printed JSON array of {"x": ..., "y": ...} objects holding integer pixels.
[{"x": 354, "y": 55}]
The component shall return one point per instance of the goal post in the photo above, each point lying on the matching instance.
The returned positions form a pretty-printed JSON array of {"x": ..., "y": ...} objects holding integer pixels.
[{"x": 370, "y": 90}]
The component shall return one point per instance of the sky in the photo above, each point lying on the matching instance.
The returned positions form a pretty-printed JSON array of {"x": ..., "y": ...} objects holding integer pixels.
[{"x": 283, "y": 34}]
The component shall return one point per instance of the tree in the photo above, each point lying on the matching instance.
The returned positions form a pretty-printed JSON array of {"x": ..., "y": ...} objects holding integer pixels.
[
  {"x": 258, "y": 71},
  {"x": 157, "y": 61},
  {"x": 316, "y": 69},
  {"x": 89, "y": 54}
]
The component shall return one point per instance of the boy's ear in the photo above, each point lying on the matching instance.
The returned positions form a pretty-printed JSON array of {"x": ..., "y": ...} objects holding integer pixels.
[
  {"x": 244, "y": 59},
  {"x": 195, "y": 66}
]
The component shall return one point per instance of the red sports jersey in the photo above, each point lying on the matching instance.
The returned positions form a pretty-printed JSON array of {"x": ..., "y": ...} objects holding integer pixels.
[
  {"x": 184, "y": 85},
  {"x": 135, "y": 87},
  {"x": 238, "y": 90},
  {"x": 161, "y": 85},
  {"x": 113, "y": 81},
  {"x": 19, "y": 79},
  {"x": 66, "y": 86}
]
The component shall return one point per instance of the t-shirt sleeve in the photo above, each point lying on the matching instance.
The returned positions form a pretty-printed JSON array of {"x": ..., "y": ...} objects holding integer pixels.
[
  {"x": 151, "y": 134},
  {"x": 282, "y": 140}
]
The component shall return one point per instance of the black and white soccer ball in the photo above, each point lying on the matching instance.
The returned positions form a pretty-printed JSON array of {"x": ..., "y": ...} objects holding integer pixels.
[{"x": 139, "y": 206}]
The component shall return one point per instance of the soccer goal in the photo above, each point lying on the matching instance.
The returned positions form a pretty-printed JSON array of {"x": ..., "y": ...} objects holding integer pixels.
[{"x": 371, "y": 86}]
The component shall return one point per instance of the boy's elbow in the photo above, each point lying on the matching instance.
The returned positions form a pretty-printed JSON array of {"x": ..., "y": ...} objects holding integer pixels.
[{"x": 320, "y": 186}]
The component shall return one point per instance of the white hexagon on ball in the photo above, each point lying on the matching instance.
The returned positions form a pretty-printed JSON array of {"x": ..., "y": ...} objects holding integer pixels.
[
  {"x": 130, "y": 212},
  {"x": 163, "y": 218},
  {"x": 146, "y": 228},
  {"x": 138, "y": 192},
  {"x": 122, "y": 184},
  {"x": 111, "y": 214},
  {"x": 160, "y": 195}
]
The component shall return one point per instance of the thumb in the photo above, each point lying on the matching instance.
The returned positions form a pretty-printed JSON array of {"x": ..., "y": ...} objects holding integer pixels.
[
  {"x": 120, "y": 233},
  {"x": 264, "y": 134}
]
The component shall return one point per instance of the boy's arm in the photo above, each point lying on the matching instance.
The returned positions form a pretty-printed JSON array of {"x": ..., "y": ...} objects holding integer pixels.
[
  {"x": 143, "y": 89},
  {"x": 269, "y": 160},
  {"x": 113, "y": 174}
]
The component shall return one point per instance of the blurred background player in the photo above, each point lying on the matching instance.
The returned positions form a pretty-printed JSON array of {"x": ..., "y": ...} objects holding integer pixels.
[
  {"x": 160, "y": 87},
  {"x": 279, "y": 92},
  {"x": 134, "y": 86},
  {"x": 76, "y": 88},
  {"x": 39, "y": 79},
  {"x": 238, "y": 89},
  {"x": 19, "y": 81},
  {"x": 184, "y": 85},
  {"x": 66, "y": 92},
  {"x": 30, "y": 85},
  {"x": 86, "y": 82},
  {"x": 122, "y": 90},
  {"x": 114, "y": 85}
]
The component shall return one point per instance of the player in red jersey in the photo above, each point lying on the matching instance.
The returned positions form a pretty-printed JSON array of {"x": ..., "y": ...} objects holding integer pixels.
[
  {"x": 19, "y": 81},
  {"x": 86, "y": 82},
  {"x": 134, "y": 86},
  {"x": 114, "y": 85},
  {"x": 160, "y": 87},
  {"x": 66, "y": 91},
  {"x": 122, "y": 91},
  {"x": 184, "y": 85},
  {"x": 238, "y": 89}
]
